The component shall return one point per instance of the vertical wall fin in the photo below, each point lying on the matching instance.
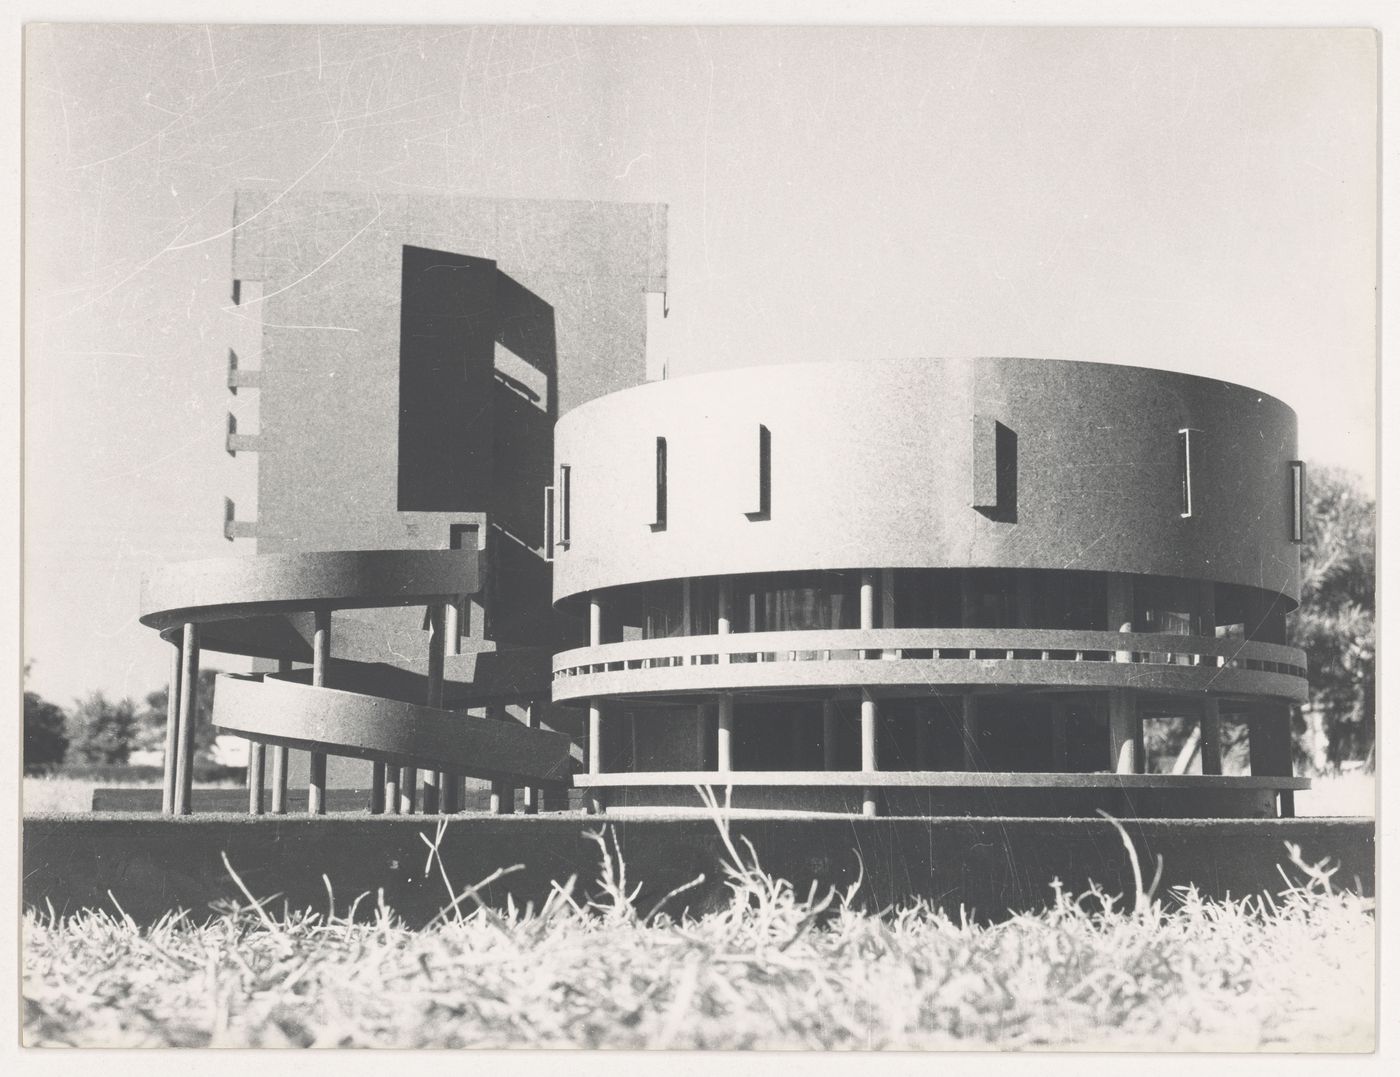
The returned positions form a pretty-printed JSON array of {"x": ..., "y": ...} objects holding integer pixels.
[
  {"x": 760, "y": 494},
  {"x": 984, "y": 462},
  {"x": 993, "y": 469}
]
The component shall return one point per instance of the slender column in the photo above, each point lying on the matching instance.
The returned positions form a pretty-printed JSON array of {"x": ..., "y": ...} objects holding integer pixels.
[
  {"x": 595, "y": 737},
  {"x": 320, "y": 658},
  {"x": 1059, "y": 748},
  {"x": 452, "y": 627},
  {"x": 391, "y": 790},
  {"x": 188, "y": 715},
  {"x": 530, "y": 795},
  {"x": 1124, "y": 731},
  {"x": 1120, "y": 609},
  {"x": 724, "y": 702},
  {"x": 172, "y": 730},
  {"x": 828, "y": 734},
  {"x": 867, "y": 608},
  {"x": 867, "y": 599},
  {"x": 724, "y": 614},
  {"x": 1211, "y": 762},
  {"x": 376, "y": 788},
  {"x": 971, "y": 754},
  {"x": 502, "y": 793},
  {"x": 1270, "y": 753},
  {"x": 439, "y": 639},
  {"x": 869, "y": 716},
  {"x": 595, "y": 707},
  {"x": 724, "y": 733},
  {"x": 869, "y": 711},
  {"x": 279, "y": 760},
  {"x": 451, "y": 793},
  {"x": 595, "y": 620},
  {"x": 255, "y": 778},
  {"x": 408, "y": 790}
]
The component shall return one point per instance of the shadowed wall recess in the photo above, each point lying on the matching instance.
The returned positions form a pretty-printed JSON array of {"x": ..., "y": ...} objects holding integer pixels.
[{"x": 446, "y": 381}]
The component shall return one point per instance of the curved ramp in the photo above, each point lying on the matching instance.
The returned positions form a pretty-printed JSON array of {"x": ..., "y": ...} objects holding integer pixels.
[
  {"x": 240, "y": 588},
  {"x": 270, "y": 607},
  {"x": 283, "y": 712}
]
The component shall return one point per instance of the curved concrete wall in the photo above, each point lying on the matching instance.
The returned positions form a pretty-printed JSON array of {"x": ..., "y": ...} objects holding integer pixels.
[{"x": 872, "y": 467}]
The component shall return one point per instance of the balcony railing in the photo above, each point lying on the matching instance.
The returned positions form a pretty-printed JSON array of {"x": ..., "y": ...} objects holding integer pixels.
[{"x": 1020, "y": 649}]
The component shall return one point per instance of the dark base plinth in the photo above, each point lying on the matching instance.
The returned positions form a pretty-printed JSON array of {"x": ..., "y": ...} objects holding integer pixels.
[
  {"x": 990, "y": 866},
  {"x": 1204, "y": 803}
]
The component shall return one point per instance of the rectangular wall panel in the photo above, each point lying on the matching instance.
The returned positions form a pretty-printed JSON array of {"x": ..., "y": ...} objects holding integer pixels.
[{"x": 446, "y": 382}]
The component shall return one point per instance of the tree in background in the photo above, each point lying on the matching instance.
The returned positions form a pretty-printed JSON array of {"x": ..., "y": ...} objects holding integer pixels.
[
  {"x": 101, "y": 731},
  {"x": 45, "y": 740},
  {"x": 151, "y": 720},
  {"x": 1335, "y": 623}
]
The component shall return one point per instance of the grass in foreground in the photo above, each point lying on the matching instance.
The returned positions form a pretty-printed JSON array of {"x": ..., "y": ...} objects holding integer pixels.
[{"x": 774, "y": 970}]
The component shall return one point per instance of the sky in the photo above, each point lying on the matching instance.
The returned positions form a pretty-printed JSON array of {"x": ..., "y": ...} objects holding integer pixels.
[{"x": 1200, "y": 200}]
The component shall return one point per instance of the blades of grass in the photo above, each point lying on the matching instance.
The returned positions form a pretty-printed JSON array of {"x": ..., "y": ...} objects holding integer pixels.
[
  {"x": 672, "y": 893},
  {"x": 474, "y": 892},
  {"x": 257, "y": 905},
  {"x": 1142, "y": 897}
]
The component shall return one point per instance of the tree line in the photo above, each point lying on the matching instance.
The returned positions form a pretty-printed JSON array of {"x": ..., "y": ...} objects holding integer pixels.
[
  {"x": 1334, "y": 624},
  {"x": 103, "y": 731}
]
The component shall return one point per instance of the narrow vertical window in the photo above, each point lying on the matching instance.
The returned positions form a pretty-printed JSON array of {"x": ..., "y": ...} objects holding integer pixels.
[
  {"x": 658, "y": 523},
  {"x": 761, "y": 493},
  {"x": 1183, "y": 451},
  {"x": 549, "y": 523},
  {"x": 1296, "y": 480},
  {"x": 562, "y": 507}
]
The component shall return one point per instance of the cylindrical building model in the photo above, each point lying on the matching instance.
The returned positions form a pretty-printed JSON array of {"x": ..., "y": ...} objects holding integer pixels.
[{"x": 933, "y": 586}]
